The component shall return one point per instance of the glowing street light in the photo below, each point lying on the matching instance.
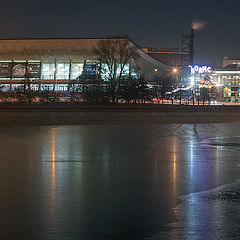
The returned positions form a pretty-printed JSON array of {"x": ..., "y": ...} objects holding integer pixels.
[
  {"x": 155, "y": 73},
  {"x": 175, "y": 70}
]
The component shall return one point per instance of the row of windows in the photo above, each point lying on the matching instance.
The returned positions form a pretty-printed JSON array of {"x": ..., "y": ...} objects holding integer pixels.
[
  {"x": 234, "y": 88},
  {"x": 62, "y": 70},
  {"x": 234, "y": 94},
  {"x": 231, "y": 77},
  {"x": 35, "y": 87},
  {"x": 59, "y": 70},
  {"x": 42, "y": 87},
  {"x": 231, "y": 83},
  {"x": 36, "y": 70}
]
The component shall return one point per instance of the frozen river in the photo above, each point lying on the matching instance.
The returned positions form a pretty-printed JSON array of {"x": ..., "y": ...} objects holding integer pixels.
[{"x": 120, "y": 182}]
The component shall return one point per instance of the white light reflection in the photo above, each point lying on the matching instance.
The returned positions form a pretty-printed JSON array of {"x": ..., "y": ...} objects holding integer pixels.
[
  {"x": 174, "y": 165},
  {"x": 53, "y": 186},
  {"x": 191, "y": 157},
  {"x": 53, "y": 173},
  {"x": 191, "y": 213}
]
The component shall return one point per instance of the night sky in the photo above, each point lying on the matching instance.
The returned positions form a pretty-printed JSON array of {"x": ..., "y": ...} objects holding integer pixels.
[{"x": 148, "y": 23}]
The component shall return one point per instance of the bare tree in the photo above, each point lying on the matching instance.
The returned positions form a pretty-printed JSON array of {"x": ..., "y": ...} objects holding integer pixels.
[
  {"x": 212, "y": 93},
  {"x": 20, "y": 95},
  {"x": 115, "y": 53},
  {"x": 73, "y": 90},
  {"x": 95, "y": 93},
  {"x": 164, "y": 83}
]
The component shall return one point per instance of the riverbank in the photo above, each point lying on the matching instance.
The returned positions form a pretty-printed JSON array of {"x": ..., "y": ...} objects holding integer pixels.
[
  {"x": 67, "y": 114},
  {"x": 219, "y": 208}
]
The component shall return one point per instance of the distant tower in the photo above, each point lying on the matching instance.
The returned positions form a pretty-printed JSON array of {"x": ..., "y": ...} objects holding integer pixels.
[
  {"x": 188, "y": 47},
  {"x": 192, "y": 47}
]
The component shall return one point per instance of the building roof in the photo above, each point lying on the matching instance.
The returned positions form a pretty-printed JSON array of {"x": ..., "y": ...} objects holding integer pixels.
[
  {"x": 164, "y": 51},
  {"x": 47, "y": 49}
]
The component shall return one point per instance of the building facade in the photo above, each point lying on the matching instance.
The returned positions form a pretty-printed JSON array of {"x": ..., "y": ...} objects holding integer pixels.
[
  {"x": 225, "y": 80},
  {"x": 230, "y": 61},
  {"x": 52, "y": 63},
  {"x": 228, "y": 79},
  {"x": 169, "y": 56}
]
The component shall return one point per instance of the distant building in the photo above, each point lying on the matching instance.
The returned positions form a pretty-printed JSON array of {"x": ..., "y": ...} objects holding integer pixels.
[
  {"x": 168, "y": 56},
  {"x": 225, "y": 79},
  {"x": 228, "y": 78},
  {"x": 230, "y": 61}
]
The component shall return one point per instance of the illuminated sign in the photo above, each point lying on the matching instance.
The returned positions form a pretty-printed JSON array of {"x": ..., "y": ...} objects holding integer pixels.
[
  {"x": 205, "y": 86},
  {"x": 19, "y": 70},
  {"x": 90, "y": 68},
  {"x": 200, "y": 69},
  {"x": 33, "y": 70},
  {"x": 5, "y": 69}
]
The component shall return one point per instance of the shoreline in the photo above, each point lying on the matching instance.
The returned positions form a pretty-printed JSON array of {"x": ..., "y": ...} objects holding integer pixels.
[
  {"x": 75, "y": 114},
  {"x": 122, "y": 107},
  {"x": 224, "y": 199}
]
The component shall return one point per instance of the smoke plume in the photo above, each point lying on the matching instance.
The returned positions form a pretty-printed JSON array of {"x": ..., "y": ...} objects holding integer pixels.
[{"x": 198, "y": 25}]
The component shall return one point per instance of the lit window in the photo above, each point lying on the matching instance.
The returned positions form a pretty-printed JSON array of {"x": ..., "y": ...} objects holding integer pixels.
[
  {"x": 48, "y": 70},
  {"x": 76, "y": 70},
  {"x": 105, "y": 72},
  {"x": 63, "y": 71},
  {"x": 47, "y": 87},
  {"x": 62, "y": 87}
]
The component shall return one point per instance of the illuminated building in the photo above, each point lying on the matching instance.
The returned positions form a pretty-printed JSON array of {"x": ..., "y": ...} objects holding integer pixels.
[
  {"x": 228, "y": 78},
  {"x": 225, "y": 79},
  {"x": 52, "y": 63},
  {"x": 229, "y": 61}
]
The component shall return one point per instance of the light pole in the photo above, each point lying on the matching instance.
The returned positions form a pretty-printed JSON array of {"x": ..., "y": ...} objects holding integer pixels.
[
  {"x": 175, "y": 72},
  {"x": 156, "y": 84},
  {"x": 55, "y": 77},
  {"x": 235, "y": 87},
  {"x": 156, "y": 72}
]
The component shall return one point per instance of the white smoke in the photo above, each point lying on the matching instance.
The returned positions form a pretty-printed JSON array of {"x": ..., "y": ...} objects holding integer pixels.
[{"x": 198, "y": 25}]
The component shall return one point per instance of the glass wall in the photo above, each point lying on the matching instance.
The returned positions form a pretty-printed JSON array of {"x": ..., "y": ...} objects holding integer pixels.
[
  {"x": 76, "y": 70},
  {"x": 48, "y": 71},
  {"x": 62, "y": 87},
  {"x": 17, "y": 86},
  {"x": 5, "y": 87},
  {"x": 34, "y": 87},
  {"x": 125, "y": 70},
  {"x": 47, "y": 87},
  {"x": 105, "y": 72},
  {"x": 35, "y": 70},
  {"x": 63, "y": 70}
]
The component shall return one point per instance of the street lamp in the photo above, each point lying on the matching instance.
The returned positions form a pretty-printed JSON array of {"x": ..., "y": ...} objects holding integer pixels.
[
  {"x": 175, "y": 72},
  {"x": 155, "y": 73},
  {"x": 55, "y": 77}
]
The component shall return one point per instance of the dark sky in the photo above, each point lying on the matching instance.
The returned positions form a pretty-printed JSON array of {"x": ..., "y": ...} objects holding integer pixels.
[{"x": 148, "y": 23}]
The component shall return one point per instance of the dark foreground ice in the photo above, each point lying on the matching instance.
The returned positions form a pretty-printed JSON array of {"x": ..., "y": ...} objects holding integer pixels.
[
  {"x": 213, "y": 214},
  {"x": 120, "y": 182}
]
